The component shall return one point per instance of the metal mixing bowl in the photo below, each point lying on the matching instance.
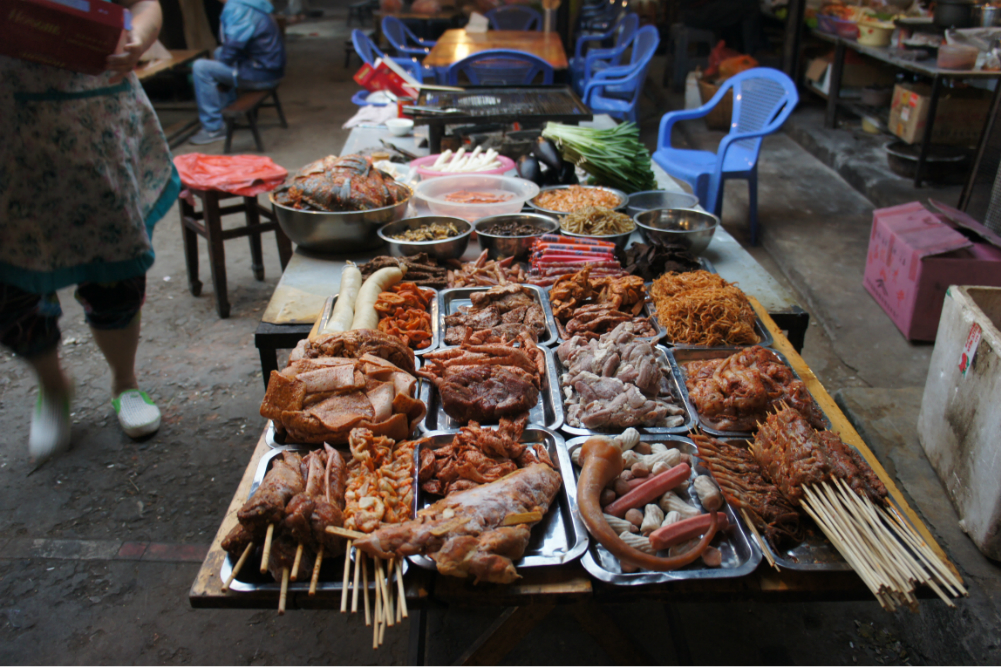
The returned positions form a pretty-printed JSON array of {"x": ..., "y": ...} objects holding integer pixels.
[
  {"x": 618, "y": 193},
  {"x": 338, "y": 232},
  {"x": 450, "y": 248},
  {"x": 652, "y": 199},
  {"x": 691, "y": 228},
  {"x": 499, "y": 247}
]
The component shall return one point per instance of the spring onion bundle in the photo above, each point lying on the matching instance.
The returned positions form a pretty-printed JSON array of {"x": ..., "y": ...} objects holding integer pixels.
[{"x": 613, "y": 157}]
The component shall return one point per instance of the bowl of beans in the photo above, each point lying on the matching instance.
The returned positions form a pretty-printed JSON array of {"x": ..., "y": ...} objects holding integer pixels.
[
  {"x": 512, "y": 235},
  {"x": 564, "y": 199}
]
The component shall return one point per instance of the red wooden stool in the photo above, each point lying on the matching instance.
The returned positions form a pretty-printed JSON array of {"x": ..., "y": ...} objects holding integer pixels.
[{"x": 208, "y": 223}]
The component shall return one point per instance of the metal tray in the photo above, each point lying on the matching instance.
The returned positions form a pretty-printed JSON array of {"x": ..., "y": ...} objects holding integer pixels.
[
  {"x": 548, "y": 412},
  {"x": 250, "y": 579},
  {"x": 647, "y": 312},
  {"x": 436, "y": 337},
  {"x": 740, "y": 552},
  {"x": 674, "y": 379},
  {"x": 450, "y": 300},
  {"x": 561, "y": 536},
  {"x": 680, "y": 355}
]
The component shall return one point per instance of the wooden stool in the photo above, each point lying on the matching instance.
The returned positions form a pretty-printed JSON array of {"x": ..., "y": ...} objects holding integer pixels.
[
  {"x": 246, "y": 105},
  {"x": 208, "y": 224}
]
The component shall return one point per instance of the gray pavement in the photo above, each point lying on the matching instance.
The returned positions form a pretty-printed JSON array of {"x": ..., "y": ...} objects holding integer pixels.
[{"x": 99, "y": 547}]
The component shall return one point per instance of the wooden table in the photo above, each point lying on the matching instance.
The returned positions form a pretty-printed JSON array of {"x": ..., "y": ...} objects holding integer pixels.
[
  {"x": 178, "y": 133},
  {"x": 454, "y": 45},
  {"x": 528, "y": 601}
]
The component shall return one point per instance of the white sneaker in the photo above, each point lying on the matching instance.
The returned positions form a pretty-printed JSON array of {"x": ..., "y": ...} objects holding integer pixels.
[
  {"x": 137, "y": 413},
  {"x": 50, "y": 426}
]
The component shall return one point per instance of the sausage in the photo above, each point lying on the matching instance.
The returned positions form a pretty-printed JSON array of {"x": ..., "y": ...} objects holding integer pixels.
[
  {"x": 687, "y": 529},
  {"x": 708, "y": 493},
  {"x": 649, "y": 490},
  {"x": 603, "y": 461}
]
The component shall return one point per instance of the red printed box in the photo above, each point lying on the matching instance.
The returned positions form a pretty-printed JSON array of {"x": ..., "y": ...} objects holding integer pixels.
[
  {"x": 77, "y": 35},
  {"x": 386, "y": 75},
  {"x": 915, "y": 255}
]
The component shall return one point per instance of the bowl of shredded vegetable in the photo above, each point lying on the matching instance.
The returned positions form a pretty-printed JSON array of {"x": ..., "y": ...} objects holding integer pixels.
[
  {"x": 691, "y": 228},
  {"x": 600, "y": 224},
  {"x": 564, "y": 199},
  {"x": 475, "y": 196},
  {"x": 440, "y": 236}
]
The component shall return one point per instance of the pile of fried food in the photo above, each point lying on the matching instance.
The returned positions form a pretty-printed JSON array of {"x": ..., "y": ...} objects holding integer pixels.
[
  {"x": 484, "y": 383},
  {"x": 420, "y": 269},
  {"x": 479, "y": 529},
  {"x": 616, "y": 381},
  {"x": 484, "y": 272},
  {"x": 502, "y": 312},
  {"x": 477, "y": 456},
  {"x": 404, "y": 313},
  {"x": 589, "y": 307},
  {"x": 737, "y": 392},
  {"x": 701, "y": 308},
  {"x": 359, "y": 378},
  {"x": 335, "y": 184},
  {"x": 380, "y": 487}
]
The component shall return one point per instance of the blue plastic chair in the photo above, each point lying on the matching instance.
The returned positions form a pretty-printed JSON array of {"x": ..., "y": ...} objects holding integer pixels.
[
  {"x": 401, "y": 38},
  {"x": 622, "y": 33},
  {"x": 514, "y": 17},
  {"x": 616, "y": 90},
  {"x": 500, "y": 67},
  {"x": 370, "y": 53},
  {"x": 763, "y": 99}
]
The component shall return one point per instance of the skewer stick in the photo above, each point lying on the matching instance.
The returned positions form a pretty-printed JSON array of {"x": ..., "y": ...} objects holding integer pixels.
[
  {"x": 237, "y": 567},
  {"x": 904, "y": 529},
  {"x": 344, "y": 581},
  {"x": 296, "y": 561},
  {"x": 285, "y": 591},
  {"x": 316, "y": 570},
  {"x": 387, "y": 602},
  {"x": 354, "y": 588},
  {"x": 377, "y": 615},
  {"x": 267, "y": 547},
  {"x": 400, "y": 587},
  {"x": 344, "y": 532},
  {"x": 365, "y": 590},
  {"x": 758, "y": 537}
]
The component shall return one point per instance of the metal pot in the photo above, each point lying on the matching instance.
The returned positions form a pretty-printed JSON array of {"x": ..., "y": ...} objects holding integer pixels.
[
  {"x": 953, "y": 13},
  {"x": 986, "y": 16},
  {"x": 944, "y": 164}
]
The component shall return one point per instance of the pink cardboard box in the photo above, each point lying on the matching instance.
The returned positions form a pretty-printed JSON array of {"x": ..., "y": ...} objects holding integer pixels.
[{"x": 915, "y": 255}]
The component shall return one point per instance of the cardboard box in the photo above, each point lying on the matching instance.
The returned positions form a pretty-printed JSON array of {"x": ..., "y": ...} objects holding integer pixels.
[
  {"x": 77, "y": 35},
  {"x": 389, "y": 76},
  {"x": 857, "y": 72},
  {"x": 915, "y": 255},
  {"x": 960, "y": 114}
]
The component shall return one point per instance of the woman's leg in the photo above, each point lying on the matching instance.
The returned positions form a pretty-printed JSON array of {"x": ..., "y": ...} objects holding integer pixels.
[{"x": 119, "y": 348}]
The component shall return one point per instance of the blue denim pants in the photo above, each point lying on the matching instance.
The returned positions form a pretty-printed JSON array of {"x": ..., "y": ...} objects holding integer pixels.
[{"x": 208, "y": 75}]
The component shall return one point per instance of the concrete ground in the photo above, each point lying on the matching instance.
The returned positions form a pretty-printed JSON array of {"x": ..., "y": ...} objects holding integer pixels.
[{"x": 99, "y": 547}]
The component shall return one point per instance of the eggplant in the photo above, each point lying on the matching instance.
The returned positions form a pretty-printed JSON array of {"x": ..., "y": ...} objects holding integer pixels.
[
  {"x": 568, "y": 176},
  {"x": 547, "y": 152},
  {"x": 528, "y": 168}
]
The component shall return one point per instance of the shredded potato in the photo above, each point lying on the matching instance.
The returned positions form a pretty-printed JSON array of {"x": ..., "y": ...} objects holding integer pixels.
[
  {"x": 701, "y": 308},
  {"x": 597, "y": 221}
]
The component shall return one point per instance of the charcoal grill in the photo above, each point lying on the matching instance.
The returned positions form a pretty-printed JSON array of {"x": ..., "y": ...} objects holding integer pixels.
[{"x": 483, "y": 104}]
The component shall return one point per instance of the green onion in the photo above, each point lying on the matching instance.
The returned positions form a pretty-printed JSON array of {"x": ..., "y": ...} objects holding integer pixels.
[{"x": 613, "y": 157}]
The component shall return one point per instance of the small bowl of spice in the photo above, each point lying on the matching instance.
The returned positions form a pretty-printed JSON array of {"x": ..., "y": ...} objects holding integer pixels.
[
  {"x": 512, "y": 235},
  {"x": 440, "y": 236}
]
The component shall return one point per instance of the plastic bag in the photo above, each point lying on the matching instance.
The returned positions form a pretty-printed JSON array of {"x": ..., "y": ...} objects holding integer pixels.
[
  {"x": 720, "y": 53},
  {"x": 245, "y": 175}
]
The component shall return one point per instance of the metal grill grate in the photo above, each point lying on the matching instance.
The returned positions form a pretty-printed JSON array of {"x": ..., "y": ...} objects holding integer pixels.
[{"x": 511, "y": 101}]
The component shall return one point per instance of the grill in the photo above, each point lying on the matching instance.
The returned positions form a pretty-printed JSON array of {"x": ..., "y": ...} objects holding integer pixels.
[{"x": 525, "y": 104}]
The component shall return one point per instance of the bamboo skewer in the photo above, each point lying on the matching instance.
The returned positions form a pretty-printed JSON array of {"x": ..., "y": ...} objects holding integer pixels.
[
  {"x": 912, "y": 538},
  {"x": 295, "y": 563},
  {"x": 236, "y": 568},
  {"x": 387, "y": 602},
  {"x": 285, "y": 591},
  {"x": 354, "y": 588},
  {"x": 365, "y": 590},
  {"x": 377, "y": 615},
  {"x": 761, "y": 542},
  {"x": 266, "y": 553},
  {"x": 316, "y": 570},
  {"x": 344, "y": 581},
  {"x": 400, "y": 587}
]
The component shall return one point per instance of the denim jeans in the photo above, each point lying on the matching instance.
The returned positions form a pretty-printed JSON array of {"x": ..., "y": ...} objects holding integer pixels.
[{"x": 208, "y": 75}]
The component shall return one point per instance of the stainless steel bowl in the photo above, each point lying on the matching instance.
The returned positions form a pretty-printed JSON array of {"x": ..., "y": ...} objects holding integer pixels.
[
  {"x": 691, "y": 228},
  {"x": 338, "y": 232},
  {"x": 499, "y": 247},
  {"x": 621, "y": 240},
  {"x": 619, "y": 193},
  {"x": 450, "y": 248},
  {"x": 645, "y": 201}
]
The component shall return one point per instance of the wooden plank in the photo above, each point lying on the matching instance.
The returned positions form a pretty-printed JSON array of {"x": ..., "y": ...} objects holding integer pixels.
[
  {"x": 178, "y": 58},
  {"x": 841, "y": 425},
  {"x": 540, "y": 585},
  {"x": 504, "y": 634},
  {"x": 606, "y": 631},
  {"x": 456, "y": 44}
]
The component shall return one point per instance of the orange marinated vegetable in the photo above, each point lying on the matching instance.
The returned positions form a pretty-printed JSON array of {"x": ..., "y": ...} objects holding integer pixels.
[{"x": 403, "y": 312}]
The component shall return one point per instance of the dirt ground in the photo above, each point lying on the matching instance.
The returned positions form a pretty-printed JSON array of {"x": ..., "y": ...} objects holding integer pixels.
[{"x": 74, "y": 589}]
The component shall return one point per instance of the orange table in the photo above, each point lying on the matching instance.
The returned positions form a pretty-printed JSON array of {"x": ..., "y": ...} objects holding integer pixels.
[{"x": 454, "y": 45}]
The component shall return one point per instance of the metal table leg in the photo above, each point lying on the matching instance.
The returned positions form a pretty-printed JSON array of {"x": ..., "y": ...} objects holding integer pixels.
[
  {"x": 835, "y": 85},
  {"x": 937, "y": 84},
  {"x": 794, "y": 323}
]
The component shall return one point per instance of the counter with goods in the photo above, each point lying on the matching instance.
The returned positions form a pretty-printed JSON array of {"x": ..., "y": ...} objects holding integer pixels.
[{"x": 618, "y": 432}]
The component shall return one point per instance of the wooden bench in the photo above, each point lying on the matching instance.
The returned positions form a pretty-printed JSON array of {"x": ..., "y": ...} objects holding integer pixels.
[{"x": 246, "y": 105}]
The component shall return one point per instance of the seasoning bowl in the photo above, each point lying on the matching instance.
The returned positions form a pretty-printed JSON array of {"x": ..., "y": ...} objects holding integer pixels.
[
  {"x": 436, "y": 191},
  {"x": 619, "y": 193},
  {"x": 518, "y": 247},
  {"x": 639, "y": 202},
  {"x": 450, "y": 248},
  {"x": 400, "y": 127},
  {"x": 621, "y": 240},
  {"x": 691, "y": 228}
]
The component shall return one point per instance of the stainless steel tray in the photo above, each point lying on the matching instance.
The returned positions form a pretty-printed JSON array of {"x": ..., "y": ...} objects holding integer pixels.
[
  {"x": 548, "y": 412},
  {"x": 674, "y": 379},
  {"x": 680, "y": 355},
  {"x": 450, "y": 300},
  {"x": 739, "y": 551},
  {"x": 436, "y": 337},
  {"x": 561, "y": 536},
  {"x": 250, "y": 579}
]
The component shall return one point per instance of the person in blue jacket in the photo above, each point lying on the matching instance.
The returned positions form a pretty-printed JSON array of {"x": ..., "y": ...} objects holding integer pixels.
[{"x": 251, "y": 55}]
